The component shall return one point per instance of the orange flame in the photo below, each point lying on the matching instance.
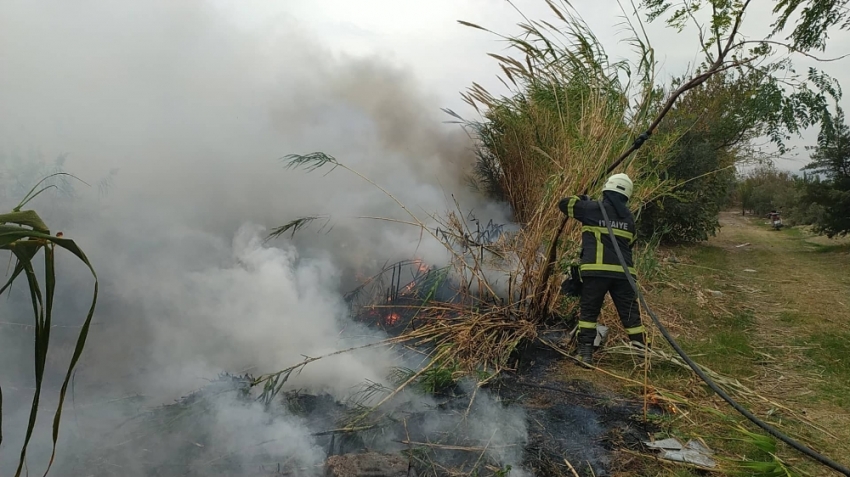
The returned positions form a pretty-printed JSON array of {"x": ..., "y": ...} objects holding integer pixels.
[
  {"x": 392, "y": 319},
  {"x": 407, "y": 289},
  {"x": 421, "y": 266}
]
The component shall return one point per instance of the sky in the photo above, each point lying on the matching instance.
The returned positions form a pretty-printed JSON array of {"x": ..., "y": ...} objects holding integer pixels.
[{"x": 447, "y": 57}]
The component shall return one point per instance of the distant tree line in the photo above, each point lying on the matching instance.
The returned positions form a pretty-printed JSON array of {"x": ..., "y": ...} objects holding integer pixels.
[{"x": 819, "y": 197}]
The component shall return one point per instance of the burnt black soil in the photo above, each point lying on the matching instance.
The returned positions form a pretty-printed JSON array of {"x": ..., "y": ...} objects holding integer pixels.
[
  {"x": 572, "y": 419},
  {"x": 566, "y": 419}
]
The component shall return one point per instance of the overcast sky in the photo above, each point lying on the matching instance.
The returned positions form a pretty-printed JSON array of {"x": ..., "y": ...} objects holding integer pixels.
[{"x": 446, "y": 57}]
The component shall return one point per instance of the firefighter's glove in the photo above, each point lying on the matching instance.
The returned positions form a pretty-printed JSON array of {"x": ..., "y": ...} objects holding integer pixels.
[{"x": 641, "y": 139}]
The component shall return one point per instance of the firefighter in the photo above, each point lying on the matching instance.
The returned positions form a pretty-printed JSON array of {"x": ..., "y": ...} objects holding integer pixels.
[{"x": 600, "y": 269}]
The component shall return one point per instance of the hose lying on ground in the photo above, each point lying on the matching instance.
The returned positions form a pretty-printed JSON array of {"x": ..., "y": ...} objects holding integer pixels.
[{"x": 755, "y": 420}]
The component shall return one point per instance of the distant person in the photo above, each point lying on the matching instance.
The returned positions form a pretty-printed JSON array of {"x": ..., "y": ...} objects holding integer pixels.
[
  {"x": 600, "y": 269},
  {"x": 771, "y": 217},
  {"x": 775, "y": 219}
]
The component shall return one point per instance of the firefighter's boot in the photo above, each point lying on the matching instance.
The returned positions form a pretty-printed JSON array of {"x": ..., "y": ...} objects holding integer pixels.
[
  {"x": 638, "y": 342},
  {"x": 585, "y": 354},
  {"x": 638, "y": 339}
]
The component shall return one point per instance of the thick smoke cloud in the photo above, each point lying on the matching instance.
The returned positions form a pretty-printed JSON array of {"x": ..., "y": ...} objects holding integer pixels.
[{"x": 186, "y": 113}]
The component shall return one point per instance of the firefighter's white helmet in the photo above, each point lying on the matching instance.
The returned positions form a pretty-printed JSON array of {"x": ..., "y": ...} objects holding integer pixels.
[{"x": 619, "y": 183}]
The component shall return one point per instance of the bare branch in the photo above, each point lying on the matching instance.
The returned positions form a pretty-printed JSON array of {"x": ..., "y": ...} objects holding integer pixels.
[
  {"x": 792, "y": 49},
  {"x": 738, "y": 19}
]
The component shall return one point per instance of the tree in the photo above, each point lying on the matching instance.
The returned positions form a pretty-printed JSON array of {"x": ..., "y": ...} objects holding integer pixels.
[
  {"x": 745, "y": 191},
  {"x": 714, "y": 125},
  {"x": 831, "y": 159},
  {"x": 766, "y": 188},
  {"x": 816, "y": 18},
  {"x": 769, "y": 189},
  {"x": 831, "y": 156},
  {"x": 755, "y": 94}
]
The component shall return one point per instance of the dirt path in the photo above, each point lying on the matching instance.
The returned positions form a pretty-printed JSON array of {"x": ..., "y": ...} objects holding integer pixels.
[
  {"x": 800, "y": 275},
  {"x": 788, "y": 295}
]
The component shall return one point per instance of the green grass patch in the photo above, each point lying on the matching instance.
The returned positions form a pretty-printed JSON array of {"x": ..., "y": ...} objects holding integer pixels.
[
  {"x": 725, "y": 345},
  {"x": 709, "y": 256},
  {"x": 738, "y": 322},
  {"x": 727, "y": 352},
  {"x": 796, "y": 233},
  {"x": 831, "y": 354},
  {"x": 791, "y": 317},
  {"x": 733, "y": 344},
  {"x": 837, "y": 248}
]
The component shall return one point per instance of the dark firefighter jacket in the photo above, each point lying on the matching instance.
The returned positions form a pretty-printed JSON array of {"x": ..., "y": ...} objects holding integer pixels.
[{"x": 598, "y": 257}]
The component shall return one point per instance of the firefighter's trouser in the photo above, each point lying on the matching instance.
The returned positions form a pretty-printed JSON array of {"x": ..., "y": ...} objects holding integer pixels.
[{"x": 592, "y": 295}]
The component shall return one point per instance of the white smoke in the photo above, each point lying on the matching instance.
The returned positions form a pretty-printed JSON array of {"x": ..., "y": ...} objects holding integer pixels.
[{"x": 187, "y": 114}]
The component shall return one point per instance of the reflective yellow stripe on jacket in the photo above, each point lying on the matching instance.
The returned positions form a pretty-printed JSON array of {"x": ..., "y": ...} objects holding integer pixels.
[
  {"x": 601, "y": 267},
  {"x": 571, "y": 207},
  {"x": 604, "y": 230},
  {"x": 600, "y": 264}
]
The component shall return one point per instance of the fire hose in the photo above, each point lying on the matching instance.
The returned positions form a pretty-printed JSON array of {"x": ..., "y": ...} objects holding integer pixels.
[{"x": 720, "y": 392}]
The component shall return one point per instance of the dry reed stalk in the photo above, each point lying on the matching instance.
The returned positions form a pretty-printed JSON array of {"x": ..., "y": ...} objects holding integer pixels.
[
  {"x": 454, "y": 447},
  {"x": 569, "y": 112},
  {"x": 383, "y": 401},
  {"x": 662, "y": 395},
  {"x": 568, "y": 117},
  {"x": 572, "y": 469}
]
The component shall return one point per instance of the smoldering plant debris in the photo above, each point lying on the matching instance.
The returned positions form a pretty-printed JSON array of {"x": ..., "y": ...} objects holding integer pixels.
[
  {"x": 572, "y": 419},
  {"x": 515, "y": 422}
]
